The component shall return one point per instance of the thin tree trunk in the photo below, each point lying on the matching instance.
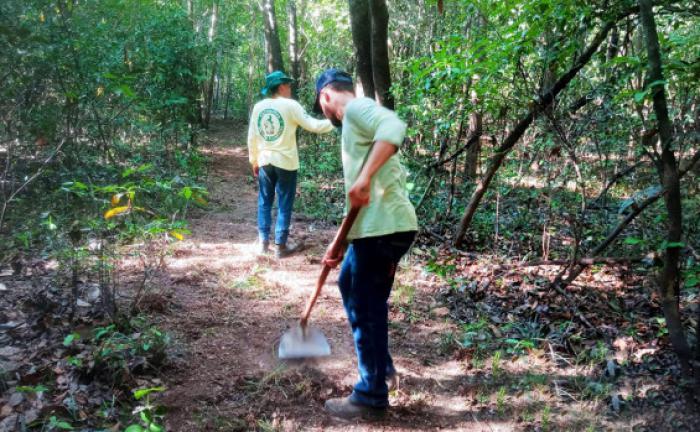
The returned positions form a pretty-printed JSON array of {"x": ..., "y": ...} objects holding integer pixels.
[
  {"x": 228, "y": 93},
  {"x": 381, "y": 71},
  {"x": 210, "y": 94},
  {"x": 209, "y": 87},
  {"x": 513, "y": 137},
  {"x": 471, "y": 163},
  {"x": 361, "y": 24},
  {"x": 669, "y": 278},
  {"x": 251, "y": 60},
  {"x": 293, "y": 45},
  {"x": 273, "y": 48}
]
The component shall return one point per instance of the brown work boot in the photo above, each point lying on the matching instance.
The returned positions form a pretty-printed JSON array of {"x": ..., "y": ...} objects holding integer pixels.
[
  {"x": 392, "y": 381},
  {"x": 263, "y": 247},
  {"x": 345, "y": 408},
  {"x": 284, "y": 250}
]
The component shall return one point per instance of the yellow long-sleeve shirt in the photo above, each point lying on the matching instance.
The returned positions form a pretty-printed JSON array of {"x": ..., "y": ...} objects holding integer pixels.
[{"x": 272, "y": 132}]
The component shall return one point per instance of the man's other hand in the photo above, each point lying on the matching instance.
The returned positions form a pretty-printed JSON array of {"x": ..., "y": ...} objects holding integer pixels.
[
  {"x": 334, "y": 255},
  {"x": 359, "y": 192}
]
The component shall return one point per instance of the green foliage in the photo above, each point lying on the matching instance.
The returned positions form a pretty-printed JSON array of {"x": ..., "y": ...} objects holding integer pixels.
[
  {"x": 322, "y": 193},
  {"x": 117, "y": 351},
  {"x": 114, "y": 82},
  {"x": 151, "y": 416},
  {"x": 56, "y": 424},
  {"x": 32, "y": 389}
]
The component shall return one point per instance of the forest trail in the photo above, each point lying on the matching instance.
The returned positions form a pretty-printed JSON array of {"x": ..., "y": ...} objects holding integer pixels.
[{"x": 229, "y": 308}]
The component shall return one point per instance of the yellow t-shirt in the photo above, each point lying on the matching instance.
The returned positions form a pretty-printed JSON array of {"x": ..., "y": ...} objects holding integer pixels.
[
  {"x": 389, "y": 210},
  {"x": 272, "y": 132}
]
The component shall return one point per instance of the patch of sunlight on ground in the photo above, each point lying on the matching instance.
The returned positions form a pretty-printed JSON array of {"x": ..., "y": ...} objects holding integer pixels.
[
  {"x": 443, "y": 371},
  {"x": 220, "y": 255}
]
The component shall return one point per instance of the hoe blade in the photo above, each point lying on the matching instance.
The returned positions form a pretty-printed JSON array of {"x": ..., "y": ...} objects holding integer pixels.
[{"x": 299, "y": 343}]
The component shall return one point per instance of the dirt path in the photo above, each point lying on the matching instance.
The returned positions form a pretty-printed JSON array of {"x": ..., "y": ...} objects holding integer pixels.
[{"x": 230, "y": 307}]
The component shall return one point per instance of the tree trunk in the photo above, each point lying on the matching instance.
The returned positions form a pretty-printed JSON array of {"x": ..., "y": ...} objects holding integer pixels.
[
  {"x": 228, "y": 93},
  {"x": 210, "y": 94},
  {"x": 669, "y": 278},
  {"x": 293, "y": 46},
  {"x": 471, "y": 163},
  {"x": 513, "y": 137},
  {"x": 251, "y": 59},
  {"x": 209, "y": 90},
  {"x": 273, "y": 49},
  {"x": 361, "y": 24},
  {"x": 381, "y": 71}
]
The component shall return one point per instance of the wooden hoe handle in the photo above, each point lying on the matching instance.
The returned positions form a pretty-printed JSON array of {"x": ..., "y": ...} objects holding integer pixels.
[{"x": 339, "y": 239}]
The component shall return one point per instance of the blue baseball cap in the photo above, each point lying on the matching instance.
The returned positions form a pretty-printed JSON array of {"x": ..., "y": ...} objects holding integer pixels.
[{"x": 327, "y": 77}]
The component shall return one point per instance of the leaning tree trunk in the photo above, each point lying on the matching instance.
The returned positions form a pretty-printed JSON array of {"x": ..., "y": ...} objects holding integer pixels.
[
  {"x": 512, "y": 139},
  {"x": 273, "y": 49},
  {"x": 361, "y": 24},
  {"x": 293, "y": 46},
  {"x": 380, "y": 53},
  {"x": 669, "y": 278}
]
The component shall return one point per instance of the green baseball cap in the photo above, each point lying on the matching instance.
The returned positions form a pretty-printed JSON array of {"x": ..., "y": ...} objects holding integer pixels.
[{"x": 273, "y": 80}]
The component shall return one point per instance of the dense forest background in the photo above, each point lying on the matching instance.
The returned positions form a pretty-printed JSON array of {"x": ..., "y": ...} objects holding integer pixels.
[{"x": 554, "y": 134}]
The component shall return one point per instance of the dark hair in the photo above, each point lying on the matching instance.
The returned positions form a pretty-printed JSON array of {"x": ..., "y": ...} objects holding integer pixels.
[{"x": 342, "y": 86}]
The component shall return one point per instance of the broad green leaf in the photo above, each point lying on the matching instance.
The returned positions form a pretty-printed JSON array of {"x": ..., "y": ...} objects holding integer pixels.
[
  {"x": 155, "y": 428},
  {"x": 139, "y": 394},
  {"x": 670, "y": 245},
  {"x": 145, "y": 417},
  {"x": 68, "y": 340},
  {"x": 125, "y": 90}
]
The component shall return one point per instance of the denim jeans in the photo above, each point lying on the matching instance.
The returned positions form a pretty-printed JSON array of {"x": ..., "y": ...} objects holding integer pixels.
[
  {"x": 365, "y": 281},
  {"x": 270, "y": 180}
]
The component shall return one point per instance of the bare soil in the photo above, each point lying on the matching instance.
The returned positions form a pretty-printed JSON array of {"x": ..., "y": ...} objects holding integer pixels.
[
  {"x": 480, "y": 341},
  {"x": 230, "y": 306}
]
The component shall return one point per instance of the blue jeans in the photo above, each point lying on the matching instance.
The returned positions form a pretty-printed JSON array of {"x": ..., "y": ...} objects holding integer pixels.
[
  {"x": 365, "y": 281},
  {"x": 270, "y": 180}
]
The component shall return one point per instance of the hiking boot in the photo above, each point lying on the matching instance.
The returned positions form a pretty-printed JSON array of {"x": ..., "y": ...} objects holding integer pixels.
[
  {"x": 345, "y": 408},
  {"x": 284, "y": 250},
  {"x": 263, "y": 247}
]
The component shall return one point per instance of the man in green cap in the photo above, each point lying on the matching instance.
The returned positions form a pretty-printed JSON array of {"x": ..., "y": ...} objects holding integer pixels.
[{"x": 272, "y": 150}]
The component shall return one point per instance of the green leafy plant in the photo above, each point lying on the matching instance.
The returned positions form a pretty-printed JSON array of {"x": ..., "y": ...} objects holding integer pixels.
[
  {"x": 120, "y": 353},
  {"x": 476, "y": 333},
  {"x": 56, "y": 424},
  {"x": 496, "y": 367},
  {"x": 151, "y": 415},
  {"x": 501, "y": 400}
]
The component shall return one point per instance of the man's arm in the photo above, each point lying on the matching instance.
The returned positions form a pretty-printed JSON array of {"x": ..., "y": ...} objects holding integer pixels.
[
  {"x": 380, "y": 153},
  {"x": 388, "y": 132},
  {"x": 359, "y": 194},
  {"x": 309, "y": 123},
  {"x": 253, "y": 146}
]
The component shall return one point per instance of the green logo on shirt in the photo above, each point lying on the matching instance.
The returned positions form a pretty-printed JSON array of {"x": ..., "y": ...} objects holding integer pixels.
[{"x": 270, "y": 124}]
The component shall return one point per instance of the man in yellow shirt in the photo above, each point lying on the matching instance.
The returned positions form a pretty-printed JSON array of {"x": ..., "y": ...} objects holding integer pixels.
[
  {"x": 272, "y": 151},
  {"x": 384, "y": 230}
]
